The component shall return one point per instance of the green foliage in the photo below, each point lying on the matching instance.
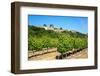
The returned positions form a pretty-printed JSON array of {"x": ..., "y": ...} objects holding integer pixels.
[
  {"x": 34, "y": 44},
  {"x": 65, "y": 44},
  {"x": 46, "y": 42},
  {"x": 39, "y": 38},
  {"x": 80, "y": 43}
]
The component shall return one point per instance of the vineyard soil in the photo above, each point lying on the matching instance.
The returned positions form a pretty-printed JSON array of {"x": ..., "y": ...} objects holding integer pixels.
[
  {"x": 52, "y": 55},
  {"x": 82, "y": 54}
]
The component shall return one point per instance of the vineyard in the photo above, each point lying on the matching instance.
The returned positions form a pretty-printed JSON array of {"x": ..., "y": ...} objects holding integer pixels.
[{"x": 40, "y": 39}]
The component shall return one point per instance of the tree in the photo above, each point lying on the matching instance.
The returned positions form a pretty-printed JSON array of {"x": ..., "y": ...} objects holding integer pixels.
[
  {"x": 61, "y": 28},
  {"x": 51, "y": 25},
  {"x": 45, "y": 25}
]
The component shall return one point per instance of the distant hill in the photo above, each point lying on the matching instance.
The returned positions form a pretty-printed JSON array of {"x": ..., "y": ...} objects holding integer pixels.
[{"x": 39, "y": 31}]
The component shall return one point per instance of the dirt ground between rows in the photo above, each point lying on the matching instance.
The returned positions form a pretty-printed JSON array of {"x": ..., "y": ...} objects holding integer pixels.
[{"x": 52, "y": 55}]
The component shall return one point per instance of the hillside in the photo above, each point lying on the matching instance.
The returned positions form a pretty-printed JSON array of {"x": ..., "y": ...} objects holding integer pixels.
[
  {"x": 38, "y": 32},
  {"x": 43, "y": 40}
]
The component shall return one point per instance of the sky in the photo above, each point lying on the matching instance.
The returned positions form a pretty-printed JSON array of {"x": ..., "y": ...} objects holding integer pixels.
[{"x": 79, "y": 24}]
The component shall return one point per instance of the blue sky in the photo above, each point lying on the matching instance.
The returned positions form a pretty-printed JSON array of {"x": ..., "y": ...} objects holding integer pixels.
[{"x": 66, "y": 22}]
